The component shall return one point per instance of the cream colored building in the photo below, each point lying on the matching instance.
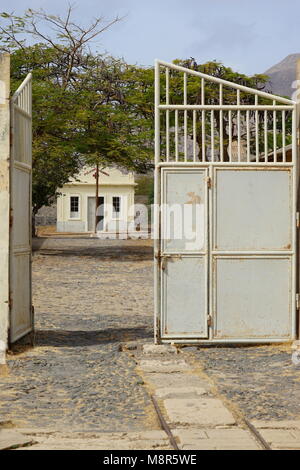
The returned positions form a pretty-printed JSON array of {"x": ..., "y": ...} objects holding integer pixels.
[{"x": 76, "y": 204}]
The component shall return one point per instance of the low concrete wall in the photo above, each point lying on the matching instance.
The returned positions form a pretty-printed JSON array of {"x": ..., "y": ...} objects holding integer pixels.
[
  {"x": 75, "y": 226},
  {"x": 43, "y": 220}
]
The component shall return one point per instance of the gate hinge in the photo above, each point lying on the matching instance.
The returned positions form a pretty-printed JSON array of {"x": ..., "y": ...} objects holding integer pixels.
[
  {"x": 209, "y": 183},
  {"x": 11, "y": 218},
  {"x": 157, "y": 332},
  {"x": 297, "y": 301},
  {"x": 10, "y": 301},
  {"x": 163, "y": 259},
  {"x": 209, "y": 320},
  {"x": 297, "y": 220},
  {"x": 11, "y": 137}
]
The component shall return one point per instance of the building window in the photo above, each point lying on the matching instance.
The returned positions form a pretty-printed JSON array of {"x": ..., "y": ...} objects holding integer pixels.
[
  {"x": 74, "y": 207},
  {"x": 116, "y": 207}
]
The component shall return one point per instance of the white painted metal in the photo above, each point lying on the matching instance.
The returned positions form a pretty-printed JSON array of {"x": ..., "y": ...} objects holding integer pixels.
[
  {"x": 21, "y": 313},
  {"x": 183, "y": 257},
  {"x": 236, "y": 86},
  {"x": 251, "y": 297},
  {"x": 217, "y": 107},
  {"x": 167, "y": 116},
  {"x": 156, "y": 212},
  {"x": 251, "y": 213},
  {"x": 259, "y": 218}
]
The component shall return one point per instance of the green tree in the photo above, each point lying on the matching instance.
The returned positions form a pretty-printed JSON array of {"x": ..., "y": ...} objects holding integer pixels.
[
  {"x": 55, "y": 62},
  {"x": 95, "y": 109},
  {"x": 55, "y": 157},
  {"x": 80, "y": 112}
]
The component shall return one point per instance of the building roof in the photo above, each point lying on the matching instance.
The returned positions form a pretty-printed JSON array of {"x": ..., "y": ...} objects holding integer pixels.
[{"x": 110, "y": 176}]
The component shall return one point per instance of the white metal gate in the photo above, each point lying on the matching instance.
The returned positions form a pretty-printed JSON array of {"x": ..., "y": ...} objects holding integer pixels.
[
  {"x": 21, "y": 313},
  {"x": 234, "y": 278}
]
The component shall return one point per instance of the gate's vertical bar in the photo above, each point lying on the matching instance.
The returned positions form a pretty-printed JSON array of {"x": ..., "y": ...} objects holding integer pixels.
[
  {"x": 212, "y": 136},
  {"x": 210, "y": 198},
  {"x": 230, "y": 134},
  {"x": 274, "y": 134},
  {"x": 167, "y": 117},
  {"x": 185, "y": 114},
  {"x": 156, "y": 206},
  {"x": 221, "y": 124},
  {"x": 203, "y": 119},
  {"x": 194, "y": 134},
  {"x": 256, "y": 132},
  {"x": 266, "y": 134},
  {"x": 283, "y": 137},
  {"x": 239, "y": 125},
  {"x": 157, "y": 113},
  {"x": 176, "y": 136},
  {"x": 248, "y": 134}
]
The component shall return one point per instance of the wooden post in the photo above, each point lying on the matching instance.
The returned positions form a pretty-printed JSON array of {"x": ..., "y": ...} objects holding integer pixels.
[{"x": 4, "y": 202}]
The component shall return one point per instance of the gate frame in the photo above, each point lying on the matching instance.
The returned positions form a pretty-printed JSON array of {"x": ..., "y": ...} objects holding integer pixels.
[
  {"x": 210, "y": 165},
  {"x": 21, "y": 105}
]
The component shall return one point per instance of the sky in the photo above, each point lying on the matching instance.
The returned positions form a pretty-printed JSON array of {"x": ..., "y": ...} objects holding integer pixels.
[{"x": 249, "y": 36}]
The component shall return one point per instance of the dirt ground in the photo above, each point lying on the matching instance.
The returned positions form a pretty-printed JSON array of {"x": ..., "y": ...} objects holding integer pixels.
[{"x": 90, "y": 296}]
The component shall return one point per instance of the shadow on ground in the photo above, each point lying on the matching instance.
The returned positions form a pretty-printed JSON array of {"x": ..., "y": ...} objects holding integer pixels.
[
  {"x": 117, "y": 255},
  {"x": 80, "y": 338},
  {"x": 122, "y": 250}
]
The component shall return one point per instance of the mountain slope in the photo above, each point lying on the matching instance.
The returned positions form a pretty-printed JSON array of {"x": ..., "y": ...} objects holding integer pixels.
[{"x": 282, "y": 75}]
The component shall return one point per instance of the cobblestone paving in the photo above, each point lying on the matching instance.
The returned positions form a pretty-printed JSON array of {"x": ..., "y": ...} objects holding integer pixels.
[
  {"x": 89, "y": 296},
  {"x": 262, "y": 381}
]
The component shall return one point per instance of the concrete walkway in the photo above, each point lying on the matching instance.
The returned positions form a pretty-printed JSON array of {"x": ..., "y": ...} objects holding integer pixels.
[
  {"x": 197, "y": 417},
  {"x": 34, "y": 439}
]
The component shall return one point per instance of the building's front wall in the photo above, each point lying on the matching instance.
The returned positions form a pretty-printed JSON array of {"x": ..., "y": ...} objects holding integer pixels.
[{"x": 114, "y": 185}]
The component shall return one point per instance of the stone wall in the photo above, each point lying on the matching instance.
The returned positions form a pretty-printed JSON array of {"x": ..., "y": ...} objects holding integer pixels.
[{"x": 46, "y": 215}]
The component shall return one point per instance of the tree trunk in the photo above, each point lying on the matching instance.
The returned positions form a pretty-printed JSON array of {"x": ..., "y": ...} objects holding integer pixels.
[
  {"x": 33, "y": 227},
  {"x": 97, "y": 198}
]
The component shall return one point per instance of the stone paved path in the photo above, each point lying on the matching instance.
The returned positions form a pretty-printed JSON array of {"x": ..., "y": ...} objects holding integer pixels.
[
  {"x": 198, "y": 410},
  {"x": 89, "y": 296},
  {"x": 262, "y": 381},
  {"x": 199, "y": 419},
  {"x": 76, "y": 389}
]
